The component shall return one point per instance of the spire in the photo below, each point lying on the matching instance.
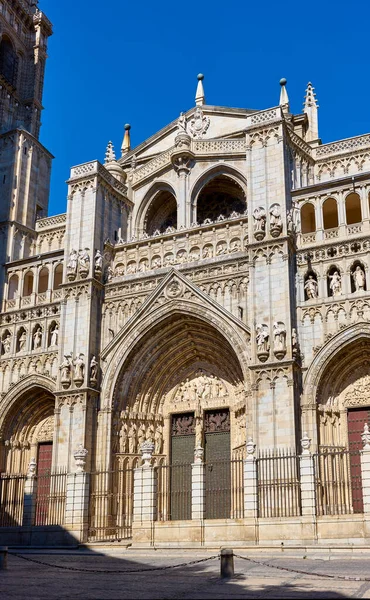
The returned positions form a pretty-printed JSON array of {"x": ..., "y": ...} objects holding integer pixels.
[
  {"x": 284, "y": 100},
  {"x": 126, "y": 144},
  {"x": 310, "y": 107},
  {"x": 199, "y": 96},
  {"x": 110, "y": 155}
]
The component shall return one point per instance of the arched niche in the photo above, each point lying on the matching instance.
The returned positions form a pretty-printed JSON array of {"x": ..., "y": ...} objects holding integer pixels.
[
  {"x": 353, "y": 209},
  {"x": 43, "y": 280},
  {"x": 58, "y": 276},
  {"x": 221, "y": 195},
  {"x": 330, "y": 213},
  {"x": 308, "y": 219},
  {"x": 13, "y": 287},
  {"x": 28, "y": 284},
  {"x": 161, "y": 212},
  {"x": 8, "y": 61}
]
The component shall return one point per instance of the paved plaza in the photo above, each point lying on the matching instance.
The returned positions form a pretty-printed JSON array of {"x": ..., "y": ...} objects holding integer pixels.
[{"x": 114, "y": 574}]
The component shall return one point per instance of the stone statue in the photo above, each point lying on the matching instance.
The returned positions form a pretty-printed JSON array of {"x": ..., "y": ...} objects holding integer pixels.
[
  {"x": 259, "y": 216},
  {"x": 279, "y": 333},
  {"x": 262, "y": 338},
  {"x": 79, "y": 368},
  {"x": 65, "y": 369},
  {"x": 198, "y": 429},
  {"x": 359, "y": 278},
  {"x": 83, "y": 262},
  {"x": 335, "y": 283},
  {"x": 311, "y": 287},
  {"x": 158, "y": 439},
  {"x": 98, "y": 267},
  {"x": 37, "y": 338},
  {"x": 141, "y": 435},
  {"x": 54, "y": 336},
  {"x": 6, "y": 342},
  {"x": 94, "y": 369},
  {"x": 275, "y": 220},
  {"x": 150, "y": 433},
  {"x": 132, "y": 439},
  {"x": 123, "y": 438},
  {"x": 181, "y": 123},
  {"x": 72, "y": 262},
  {"x": 22, "y": 341},
  {"x": 294, "y": 341}
]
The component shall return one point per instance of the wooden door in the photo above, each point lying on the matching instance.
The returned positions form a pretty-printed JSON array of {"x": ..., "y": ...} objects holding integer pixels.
[
  {"x": 217, "y": 464},
  {"x": 357, "y": 417},
  {"x": 182, "y": 457},
  {"x": 44, "y": 461}
]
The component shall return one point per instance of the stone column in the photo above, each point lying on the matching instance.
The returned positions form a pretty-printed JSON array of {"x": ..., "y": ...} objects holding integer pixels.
[
  {"x": 29, "y": 495},
  {"x": 365, "y": 468},
  {"x": 77, "y": 501},
  {"x": 307, "y": 474},
  {"x": 182, "y": 158},
  {"x": 145, "y": 487},
  {"x": 197, "y": 484},
  {"x": 250, "y": 482}
]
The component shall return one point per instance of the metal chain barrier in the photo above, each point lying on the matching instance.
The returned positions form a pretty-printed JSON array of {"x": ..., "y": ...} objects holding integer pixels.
[
  {"x": 45, "y": 564},
  {"x": 340, "y": 577}
]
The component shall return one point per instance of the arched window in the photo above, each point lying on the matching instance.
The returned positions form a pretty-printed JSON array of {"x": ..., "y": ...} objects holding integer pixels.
[
  {"x": 330, "y": 213},
  {"x": 58, "y": 276},
  {"x": 220, "y": 196},
  {"x": 28, "y": 284},
  {"x": 308, "y": 218},
  {"x": 43, "y": 280},
  {"x": 353, "y": 209},
  {"x": 8, "y": 61},
  {"x": 13, "y": 287},
  {"x": 162, "y": 213}
]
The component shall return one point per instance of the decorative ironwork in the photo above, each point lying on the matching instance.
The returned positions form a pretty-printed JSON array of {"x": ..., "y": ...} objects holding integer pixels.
[
  {"x": 183, "y": 424},
  {"x": 216, "y": 421}
]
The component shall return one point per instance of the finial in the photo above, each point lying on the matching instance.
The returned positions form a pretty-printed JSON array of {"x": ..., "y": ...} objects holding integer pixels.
[
  {"x": 199, "y": 96},
  {"x": 310, "y": 97},
  {"x": 310, "y": 107},
  {"x": 109, "y": 153},
  {"x": 126, "y": 144},
  {"x": 284, "y": 100}
]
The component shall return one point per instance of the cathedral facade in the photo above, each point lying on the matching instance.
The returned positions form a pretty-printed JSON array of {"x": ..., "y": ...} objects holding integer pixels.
[{"x": 204, "y": 298}]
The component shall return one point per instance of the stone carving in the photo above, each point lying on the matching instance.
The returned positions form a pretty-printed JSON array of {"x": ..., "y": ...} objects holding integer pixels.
[
  {"x": 141, "y": 436},
  {"x": 251, "y": 448},
  {"x": 65, "y": 371},
  {"x": 6, "y": 342},
  {"x": 335, "y": 283},
  {"x": 83, "y": 263},
  {"x": 94, "y": 371},
  {"x": 158, "y": 440},
  {"x": 123, "y": 439},
  {"x": 365, "y": 436},
  {"x": 37, "y": 338},
  {"x": 359, "y": 392},
  {"x": 147, "y": 449},
  {"x": 31, "y": 469},
  {"x": 79, "y": 370},
  {"x": 311, "y": 287},
  {"x": 259, "y": 216},
  {"x": 198, "y": 428},
  {"x": 174, "y": 289},
  {"x": 279, "y": 333},
  {"x": 72, "y": 265},
  {"x": 80, "y": 458},
  {"x": 201, "y": 387},
  {"x": 359, "y": 279},
  {"x": 199, "y": 124},
  {"x": 262, "y": 341},
  {"x": 54, "y": 336},
  {"x": 306, "y": 444},
  {"x": 22, "y": 341},
  {"x": 183, "y": 425},
  {"x": 276, "y": 225},
  {"x": 295, "y": 346},
  {"x": 132, "y": 439},
  {"x": 217, "y": 420},
  {"x": 98, "y": 264},
  {"x": 198, "y": 454},
  {"x": 181, "y": 123}
]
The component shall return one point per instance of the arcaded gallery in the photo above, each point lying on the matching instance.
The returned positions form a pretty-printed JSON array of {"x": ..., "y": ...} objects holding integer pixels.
[{"x": 185, "y": 352}]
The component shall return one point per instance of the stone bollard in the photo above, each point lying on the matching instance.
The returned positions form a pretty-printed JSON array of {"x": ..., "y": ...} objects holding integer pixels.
[
  {"x": 3, "y": 557},
  {"x": 227, "y": 563}
]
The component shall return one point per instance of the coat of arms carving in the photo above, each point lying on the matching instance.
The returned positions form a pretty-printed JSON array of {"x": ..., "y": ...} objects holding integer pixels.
[{"x": 198, "y": 124}]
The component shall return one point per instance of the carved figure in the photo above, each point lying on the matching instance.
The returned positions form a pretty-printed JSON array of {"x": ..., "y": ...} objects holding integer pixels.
[
  {"x": 259, "y": 216},
  {"x": 335, "y": 283},
  {"x": 6, "y": 342},
  {"x": 262, "y": 338},
  {"x": 22, "y": 341},
  {"x": 156, "y": 264},
  {"x": 132, "y": 439},
  {"x": 221, "y": 249},
  {"x": 54, "y": 336},
  {"x": 311, "y": 287},
  {"x": 235, "y": 246},
  {"x": 207, "y": 252},
  {"x": 98, "y": 267},
  {"x": 72, "y": 262},
  {"x": 359, "y": 278},
  {"x": 150, "y": 433},
  {"x": 79, "y": 368},
  {"x": 123, "y": 438},
  {"x": 94, "y": 369},
  {"x": 158, "y": 439},
  {"x": 181, "y": 123},
  {"x": 198, "y": 429},
  {"x": 83, "y": 262},
  {"x": 110, "y": 273},
  {"x": 65, "y": 369},
  {"x": 275, "y": 220},
  {"x": 141, "y": 436},
  {"x": 198, "y": 124},
  {"x": 37, "y": 338},
  {"x": 294, "y": 341},
  {"x": 279, "y": 333}
]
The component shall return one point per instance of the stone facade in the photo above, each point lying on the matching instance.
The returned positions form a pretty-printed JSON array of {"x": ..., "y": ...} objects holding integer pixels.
[{"x": 222, "y": 264}]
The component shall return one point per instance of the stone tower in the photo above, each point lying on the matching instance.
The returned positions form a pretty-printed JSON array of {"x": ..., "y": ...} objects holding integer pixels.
[{"x": 24, "y": 163}]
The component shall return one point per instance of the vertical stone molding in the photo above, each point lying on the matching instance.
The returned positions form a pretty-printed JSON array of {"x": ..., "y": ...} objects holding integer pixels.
[
  {"x": 77, "y": 505},
  {"x": 145, "y": 487},
  {"x": 197, "y": 485},
  {"x": 307, "y": 474},
  {"x": 365, "y": 468},
  {"x": 250, "y": 482}
]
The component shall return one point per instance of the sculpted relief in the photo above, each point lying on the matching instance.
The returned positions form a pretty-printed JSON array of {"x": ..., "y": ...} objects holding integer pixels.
[{"x": 202, "y": 388}]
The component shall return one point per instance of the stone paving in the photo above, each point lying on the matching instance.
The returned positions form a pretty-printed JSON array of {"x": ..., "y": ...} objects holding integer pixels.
[{"x": 32, "y": 581}]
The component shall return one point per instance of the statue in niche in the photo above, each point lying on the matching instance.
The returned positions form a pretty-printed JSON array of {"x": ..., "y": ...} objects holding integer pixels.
[
  {"x": 335, "y": 284},
  {"x": 98, "y": 266},
  {"x": 221, "y": 249},
  {"x": 235, "y": 246},
  {"x": 132, "y": 439},
  {"x": 156, "y": 264},
  {"x": 37, "y": 339},
  {"x": 6, "y": 342},
  {"x": 83, "y": 262},
  {"x": 79, "y": 368},
  {"x": 311, "y": 287},
  {"x": 141, "y": 436},
  {"x": 158, "y": 440},
  {"x": 262, "y": 338},
  {"x": 279, "y": 333},
  {"x": 181, "y": 123},
  {"x": 275, "y": 220},
  {"x": 359, "y": 279},
  {"x": 54, "y": 336},
  {"x": 123, "y": 438},
  {"x": 259, "y": 216},
  {"x": 295, "y": 347},
  {"x": 22, "y": 341},
  {"x": 150, "y": 433},
  {"x": 198, "y": 428},
  {"x": 65, "y": 370},
  {"x": 207, "y": 252},
  {"x": 72, "y": 264},
  {"x": 94, "y": 369}
]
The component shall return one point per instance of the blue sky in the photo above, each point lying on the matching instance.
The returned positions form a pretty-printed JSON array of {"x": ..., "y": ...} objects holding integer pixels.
[{"x": 118, "y": 62}]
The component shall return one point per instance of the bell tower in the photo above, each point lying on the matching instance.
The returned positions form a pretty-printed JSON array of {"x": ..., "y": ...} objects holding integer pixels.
[{"x": 24, "y": 163}]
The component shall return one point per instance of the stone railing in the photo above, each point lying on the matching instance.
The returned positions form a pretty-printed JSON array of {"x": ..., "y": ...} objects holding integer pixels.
[
  {"x": 209, "y": 243},
  {"x": 343, "y": 146},
  {"x": 308, "y": 238},
  {"x": 51, "y": 222},
  {"x": 32, "y": 300},
  {"x": 264, "y": 116},
  {"x": 330, "y": 234},
  {"x": 354, "y": 228}
]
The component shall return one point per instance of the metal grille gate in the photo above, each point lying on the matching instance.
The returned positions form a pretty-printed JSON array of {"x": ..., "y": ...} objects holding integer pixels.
[{"x": 217, "y": 464}]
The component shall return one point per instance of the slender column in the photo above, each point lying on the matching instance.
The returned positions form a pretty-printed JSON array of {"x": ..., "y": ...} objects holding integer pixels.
[
  {"x": 365, "y": 468},
  {"x": 77, "y": 501},
  {"x": 307, "y": 474},
  {"x": 250, "y": 482},
  {"x": 145, "y": 487},
  {"x": 29, "y": 495},
  {"x": 197, "y": 484}
]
